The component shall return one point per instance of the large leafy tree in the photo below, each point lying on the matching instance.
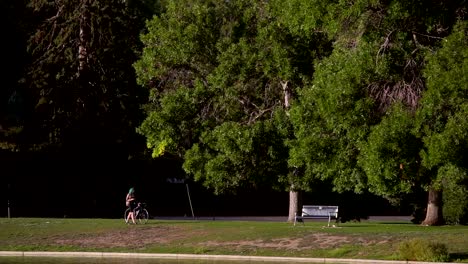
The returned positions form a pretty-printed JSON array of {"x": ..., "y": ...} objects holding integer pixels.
[
  {"x": 394, "y": 156},
  {"x": 223, "y": 76},
  {"x": 441, "y": 121},
  {"x": 358, "y": 115}
]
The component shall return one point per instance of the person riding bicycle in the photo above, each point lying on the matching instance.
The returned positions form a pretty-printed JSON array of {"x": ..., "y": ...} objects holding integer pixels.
[{"x": 130, "y": 202}]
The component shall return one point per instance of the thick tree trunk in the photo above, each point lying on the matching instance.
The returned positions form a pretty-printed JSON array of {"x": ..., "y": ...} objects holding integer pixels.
[
  {"x": 295, "y": 204},
  {"x": 434, "y": 208}
]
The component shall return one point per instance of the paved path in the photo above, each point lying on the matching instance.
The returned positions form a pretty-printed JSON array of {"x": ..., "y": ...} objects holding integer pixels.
[
  {"x": 275, "y": 218},
  {"x": 200, "y": 257}
]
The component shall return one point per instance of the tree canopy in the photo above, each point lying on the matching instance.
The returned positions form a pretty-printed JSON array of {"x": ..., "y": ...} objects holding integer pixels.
[{"x": 369, "y": 96}]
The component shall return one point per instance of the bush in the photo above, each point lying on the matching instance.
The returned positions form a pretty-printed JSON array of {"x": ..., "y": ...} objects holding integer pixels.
[
  {"x": 455, "y": 194},
  {"x": 455, "y": 205},
  {"x": 423, "y": 250}
]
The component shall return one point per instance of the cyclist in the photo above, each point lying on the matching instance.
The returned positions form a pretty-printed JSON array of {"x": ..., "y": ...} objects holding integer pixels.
[{"x": 130, "y": 202}]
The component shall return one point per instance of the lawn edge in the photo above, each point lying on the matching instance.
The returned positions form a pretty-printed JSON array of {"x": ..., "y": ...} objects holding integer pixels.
[{"x": 201, "y": 257}]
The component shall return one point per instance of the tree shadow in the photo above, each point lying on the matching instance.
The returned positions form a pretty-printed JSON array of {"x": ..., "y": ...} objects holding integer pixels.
[
  {"x": 459, "y": 256},
  {"x": 360, "y": 225},
  {"x": 396, "y": 223}
]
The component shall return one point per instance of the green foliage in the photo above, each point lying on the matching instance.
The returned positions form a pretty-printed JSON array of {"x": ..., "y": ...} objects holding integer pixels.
[
  {"x": 445, "y": 103},
  {"x": 174, "y": 125},
  {"x": 423, "y": 250},
  {"x": 455, "y": 197},
  {"x": 233, "y": 155},
  {"x": 333, "y": 117},
  {"x": 390, "y": 155},
  {"x": 176, "y": 61},
  {"x": 332, "y": 17},
  {"x": 441, "y": 120},
  {"x": 179, "y": 45},
  {"x": 218, "y": 71}
]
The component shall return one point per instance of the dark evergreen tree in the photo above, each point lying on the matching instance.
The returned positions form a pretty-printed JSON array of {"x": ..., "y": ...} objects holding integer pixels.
[{"x": 80, "y": 85}]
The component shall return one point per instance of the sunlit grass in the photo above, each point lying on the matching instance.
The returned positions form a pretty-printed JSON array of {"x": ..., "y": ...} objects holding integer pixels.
[{"x": 364, "y": 240}]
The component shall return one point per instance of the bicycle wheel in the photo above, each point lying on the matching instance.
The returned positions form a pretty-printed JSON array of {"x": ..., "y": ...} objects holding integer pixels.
[
  {"x": 126, "y": 215},
  {"x": 142, "y": 216}
]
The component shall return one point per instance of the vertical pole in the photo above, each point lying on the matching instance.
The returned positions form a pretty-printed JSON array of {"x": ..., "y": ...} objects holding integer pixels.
[
  {"x": 190, "y": 200},
  {"x": 8, "y": 201}
]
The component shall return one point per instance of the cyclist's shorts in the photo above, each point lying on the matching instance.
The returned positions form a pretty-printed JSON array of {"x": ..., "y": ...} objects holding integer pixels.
[{"x": 133, "y": 204}]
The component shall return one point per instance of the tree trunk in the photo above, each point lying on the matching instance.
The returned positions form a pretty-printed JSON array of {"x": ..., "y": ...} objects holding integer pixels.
[
  {"x": 85, "y": 38},
  {"x": 295, "y": 204},
  {"x": 295, "y": 201},
  {"x": 434, "y": 208},
  {"x": 287, "y": 95}
]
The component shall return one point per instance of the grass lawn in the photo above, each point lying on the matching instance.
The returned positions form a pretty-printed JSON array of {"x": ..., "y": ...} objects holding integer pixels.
[{"x": 364, "y": 240}]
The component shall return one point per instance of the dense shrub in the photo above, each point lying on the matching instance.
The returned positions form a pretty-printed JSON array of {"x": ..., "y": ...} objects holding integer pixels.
[
  {"x": 455, "y": 208},
  {"x": 455, "y": 196},
  {"x": 423, "y": 250}
]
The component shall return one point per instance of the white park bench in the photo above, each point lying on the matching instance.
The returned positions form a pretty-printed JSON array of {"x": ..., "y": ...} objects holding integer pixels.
[{"x": 317, "y": 212}]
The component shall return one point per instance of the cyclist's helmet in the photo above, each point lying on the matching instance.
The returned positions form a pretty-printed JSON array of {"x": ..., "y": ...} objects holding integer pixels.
[{"x": 131, "y": 191}]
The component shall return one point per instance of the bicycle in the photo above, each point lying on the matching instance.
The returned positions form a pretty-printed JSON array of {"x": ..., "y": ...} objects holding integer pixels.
[{"x": 140, "y": 213}]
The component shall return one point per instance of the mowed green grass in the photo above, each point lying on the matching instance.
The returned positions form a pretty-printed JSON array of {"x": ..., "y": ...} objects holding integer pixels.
[{"x": 362, "y": 240}]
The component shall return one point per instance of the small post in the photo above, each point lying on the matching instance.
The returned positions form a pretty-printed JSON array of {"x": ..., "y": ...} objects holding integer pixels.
[
  {"x": 190, "y": 200},
  {"x": 8, "y": 201}
]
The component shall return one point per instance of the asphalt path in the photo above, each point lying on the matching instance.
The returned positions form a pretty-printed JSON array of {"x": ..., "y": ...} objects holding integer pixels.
[
  {"x": 199, "y": 257},
  {"x": 277, "y": 218}
]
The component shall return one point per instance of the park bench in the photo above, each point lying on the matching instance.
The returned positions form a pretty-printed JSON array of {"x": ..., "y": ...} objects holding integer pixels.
[{"x": 317, "y": 212}]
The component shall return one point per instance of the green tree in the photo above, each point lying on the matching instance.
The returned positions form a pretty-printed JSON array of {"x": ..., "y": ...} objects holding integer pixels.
[
  {"x": 441, "y": 121},
  {"x": 223, "y": 76},
  {"x": 358, "y": 115}
]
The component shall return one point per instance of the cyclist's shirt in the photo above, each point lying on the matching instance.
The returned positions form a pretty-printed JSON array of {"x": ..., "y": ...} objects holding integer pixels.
[{"x": 131, "y": 201}]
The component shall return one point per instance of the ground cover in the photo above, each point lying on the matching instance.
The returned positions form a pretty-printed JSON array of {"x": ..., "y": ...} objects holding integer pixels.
[{"x": 362, "y": 240}]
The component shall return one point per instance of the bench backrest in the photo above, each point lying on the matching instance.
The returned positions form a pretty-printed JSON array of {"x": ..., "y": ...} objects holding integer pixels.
[{"x": 320, "y": 210}]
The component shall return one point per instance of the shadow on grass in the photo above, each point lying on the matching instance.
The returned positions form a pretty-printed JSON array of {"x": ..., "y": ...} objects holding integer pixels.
[
  {"x": 395, "y": 223},
  {"x": 459, "y": 256},
  {"x": 169, "y": 222},
  {"x": 371, "y": 225}
]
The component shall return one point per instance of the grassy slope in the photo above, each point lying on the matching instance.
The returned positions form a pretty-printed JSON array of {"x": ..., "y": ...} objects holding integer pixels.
[{"x": 365, "y": 240}]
